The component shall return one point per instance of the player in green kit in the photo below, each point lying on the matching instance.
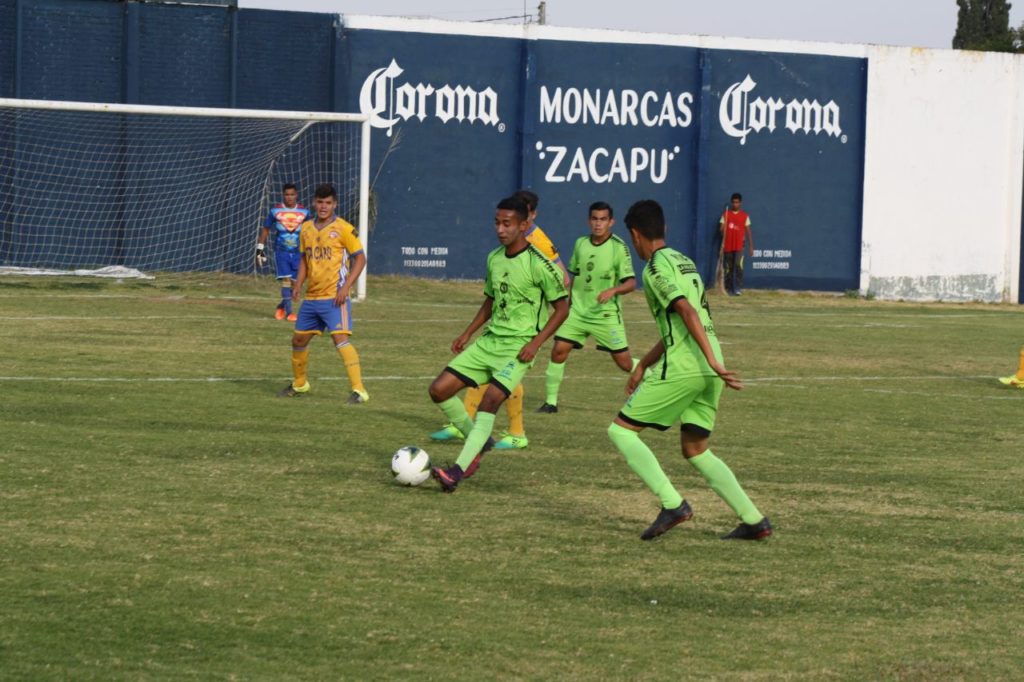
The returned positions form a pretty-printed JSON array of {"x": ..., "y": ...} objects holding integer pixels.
[
  {"x": 602, "y": 271},
  {"x": 520, "y": 284},
  {"x": 684, "y": 383}
]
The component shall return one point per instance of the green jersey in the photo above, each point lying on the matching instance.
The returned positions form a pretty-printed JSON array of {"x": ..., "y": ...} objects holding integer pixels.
[
  {"x": 595, "y": 268},
  {"x": 522, "y": 286},
  {"x": 669, "y": 276}
]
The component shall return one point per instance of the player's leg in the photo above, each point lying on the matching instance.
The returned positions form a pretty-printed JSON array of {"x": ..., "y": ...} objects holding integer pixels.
[
  {"x": 611, "y": 338},
  {"x": 473, "y": 397},
  {"x": 444, "y": 392},
  {"x": 339, "y": 322},
  {"x": 697, "y": 422},
  {"x": 478, "y": 439},
  {"x": 471, "y": 401},
  {"x": 654, "y": 404},
  {"x": 570, "y": 335},
  {"x": 1018, "y": 378},
  {"x": 515, "y": 438},
  {"x": 300, "y": 360},
  {"x": 498, "y": 359},
  {"x": 286, "y": 264},
  {"x": 554, "y": 374},
  {"x": 729, "y": 267},
  {"x": 739, "y": 272},
  {"x": 471, "y": 368}
]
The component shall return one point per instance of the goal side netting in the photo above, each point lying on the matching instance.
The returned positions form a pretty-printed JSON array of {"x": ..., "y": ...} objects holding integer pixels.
[{"x": 164, "y": 189}]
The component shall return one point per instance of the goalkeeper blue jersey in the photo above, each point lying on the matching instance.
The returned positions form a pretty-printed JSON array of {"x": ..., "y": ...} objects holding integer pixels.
[{"x": 285, "y": 222}]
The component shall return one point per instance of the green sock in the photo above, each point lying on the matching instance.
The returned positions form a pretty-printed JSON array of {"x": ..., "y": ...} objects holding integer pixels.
[
  {"x": 456, "y": 413},
  {"x": 721, "y": 479},
  {"x": 552, "y": 380},
  {"x": 636, "y": 361},
  {"x": 642, "y": 461},
  {"x": 475, "y": 439}
]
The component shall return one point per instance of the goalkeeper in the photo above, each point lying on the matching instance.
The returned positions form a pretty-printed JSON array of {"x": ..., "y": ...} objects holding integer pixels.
[{"x": 284, "y": 219}]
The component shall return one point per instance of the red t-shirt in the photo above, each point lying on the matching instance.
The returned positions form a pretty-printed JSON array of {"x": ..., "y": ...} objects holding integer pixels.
[{"x": 736, "y": 224}]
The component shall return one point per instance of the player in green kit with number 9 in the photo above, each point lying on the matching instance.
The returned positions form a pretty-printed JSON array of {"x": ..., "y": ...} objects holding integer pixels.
[{"x": 684, "y": 383}]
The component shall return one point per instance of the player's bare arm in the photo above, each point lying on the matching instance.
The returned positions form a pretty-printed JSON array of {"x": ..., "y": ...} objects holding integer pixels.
[
  {"x": 691, "y": 318},
  {"x": 357, "y": 264},
  {"x": 648, "y": 360},
  {"x": 300, "y": 279},
  {"x": 479, "y": 320},
  {"x": 561, "y": 311},
  {"x": 623, "y": 288}
]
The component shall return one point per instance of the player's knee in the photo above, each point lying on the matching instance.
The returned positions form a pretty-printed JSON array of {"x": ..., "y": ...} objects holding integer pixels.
[{"x": 436, "y": 391}]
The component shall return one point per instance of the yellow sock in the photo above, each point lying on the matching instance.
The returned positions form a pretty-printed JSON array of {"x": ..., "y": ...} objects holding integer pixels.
[
  {"x": 515, "y": 411},
  {"x": 1020, "y": 366},
  {"x": 473, "y": 398},
  {"x": 351, "y": 359},
  {"x": 300, "y": 357}
]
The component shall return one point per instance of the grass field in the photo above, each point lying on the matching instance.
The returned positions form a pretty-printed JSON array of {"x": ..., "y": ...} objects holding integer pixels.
[{"x": 164, "y": 515}]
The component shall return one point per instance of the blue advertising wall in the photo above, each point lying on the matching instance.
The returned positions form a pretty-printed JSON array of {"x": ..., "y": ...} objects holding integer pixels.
[
  {"x": 461, "y": 121},
  {"x": 801, "y": 184},
  {"x": 438, "y": 185}
]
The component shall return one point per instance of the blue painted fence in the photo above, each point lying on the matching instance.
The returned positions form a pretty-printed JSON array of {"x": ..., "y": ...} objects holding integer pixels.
[{"x": 461, "y": 121}]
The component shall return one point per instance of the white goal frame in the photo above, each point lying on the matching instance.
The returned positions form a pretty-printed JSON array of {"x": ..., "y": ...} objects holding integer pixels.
[{"x": 212, "y": 112}]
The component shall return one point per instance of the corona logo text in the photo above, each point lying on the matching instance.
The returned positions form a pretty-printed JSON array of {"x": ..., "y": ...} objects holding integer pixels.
[
  {"x": 387, "y": 102},
  {"x": 739, "y": 115}
]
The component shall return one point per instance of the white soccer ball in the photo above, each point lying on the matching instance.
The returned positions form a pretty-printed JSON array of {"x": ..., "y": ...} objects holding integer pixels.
[{"x": 411, "y": 465}]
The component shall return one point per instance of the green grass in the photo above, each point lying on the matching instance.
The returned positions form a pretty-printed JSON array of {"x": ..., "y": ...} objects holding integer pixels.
[{"x": 163, "y": 515}]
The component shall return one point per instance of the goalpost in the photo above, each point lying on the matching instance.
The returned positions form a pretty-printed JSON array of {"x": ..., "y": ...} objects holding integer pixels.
[{"x": 165, "y": 189}]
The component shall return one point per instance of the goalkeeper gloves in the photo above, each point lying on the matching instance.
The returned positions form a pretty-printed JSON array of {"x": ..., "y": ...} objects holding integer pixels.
[{"x": 261, "y": 255}]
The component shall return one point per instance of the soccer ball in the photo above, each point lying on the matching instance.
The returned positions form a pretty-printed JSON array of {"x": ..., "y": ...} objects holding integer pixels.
[{"x": 411, "y": 465}]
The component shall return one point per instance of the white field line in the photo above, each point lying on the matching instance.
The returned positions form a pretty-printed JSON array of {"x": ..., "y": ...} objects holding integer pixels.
[
  {"x": 422, "y": 320},
  {"x": 788, "y": 382},
  {"x": 406, "y": 302}
]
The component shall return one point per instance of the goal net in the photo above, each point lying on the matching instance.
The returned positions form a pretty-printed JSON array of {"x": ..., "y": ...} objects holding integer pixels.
[{"x": 164, "y": 189}]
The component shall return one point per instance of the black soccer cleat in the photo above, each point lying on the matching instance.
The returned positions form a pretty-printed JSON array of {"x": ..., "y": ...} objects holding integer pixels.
[
  {"x": 290, "y": 391},
  {"x": 750, "y": 531},
  {"x": 448, "y": 478},
  {"x": 668, "y": 519},
  {"x": 475, "y": 464},
  {"x": 547, "y": 408}
]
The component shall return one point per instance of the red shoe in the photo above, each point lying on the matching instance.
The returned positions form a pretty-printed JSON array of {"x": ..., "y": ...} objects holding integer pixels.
[
  {"x": 279, "y": 314},
  {"x": 292, "y": 317}
]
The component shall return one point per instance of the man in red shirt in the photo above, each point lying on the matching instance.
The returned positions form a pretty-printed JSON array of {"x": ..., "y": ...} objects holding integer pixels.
[{"x": 735, "y": 226}]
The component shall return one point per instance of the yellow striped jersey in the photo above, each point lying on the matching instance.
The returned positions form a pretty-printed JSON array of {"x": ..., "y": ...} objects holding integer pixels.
[{"x": 327, "y": 252}]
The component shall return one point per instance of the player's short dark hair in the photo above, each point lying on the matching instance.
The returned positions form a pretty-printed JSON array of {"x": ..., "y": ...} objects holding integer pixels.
[
  {"x": 736, "y": 195},
  {"x": 601, "y": 206},
  {"x": 287, "y": 186},
  {"x": 647, "y": 218},
  {"x": 531, "y": 199},
  {"x": 325, "y": 191},
  {"x": 515, "y": 203}
]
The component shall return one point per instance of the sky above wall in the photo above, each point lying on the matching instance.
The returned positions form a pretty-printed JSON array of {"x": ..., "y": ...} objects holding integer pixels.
[{"x": 916, "y": 23}]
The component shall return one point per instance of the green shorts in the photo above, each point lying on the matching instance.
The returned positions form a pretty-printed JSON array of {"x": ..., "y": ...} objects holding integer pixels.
[
  {"x": 610, "y": 336},
  {"x": 491, "y": 360},
  {"x": 660, "y": 403}
]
